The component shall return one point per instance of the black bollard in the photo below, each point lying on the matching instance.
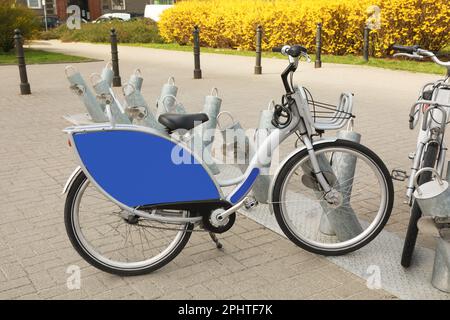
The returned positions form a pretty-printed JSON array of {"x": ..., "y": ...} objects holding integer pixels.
[
  {"x": 318, "y": 62},
  {"x": 117, "y": 82},
  {"x": 24, "y": 85},
  {"x": 258, "y": 67},
  {"x": 366, "y": 44},
  {"x": 197, "y": 70}
]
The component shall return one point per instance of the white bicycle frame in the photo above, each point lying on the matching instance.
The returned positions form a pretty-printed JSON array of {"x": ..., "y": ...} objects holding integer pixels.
[{"x": 433, "y": 122}]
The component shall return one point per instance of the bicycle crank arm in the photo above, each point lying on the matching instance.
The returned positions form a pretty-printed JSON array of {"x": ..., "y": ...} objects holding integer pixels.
[{"x": 222, "y": 216}]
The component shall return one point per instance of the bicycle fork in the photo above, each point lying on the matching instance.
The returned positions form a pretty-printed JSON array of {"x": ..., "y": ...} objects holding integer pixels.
[
  {"x": 317, "y": 170},
  {"x": 435, "y": 138}
]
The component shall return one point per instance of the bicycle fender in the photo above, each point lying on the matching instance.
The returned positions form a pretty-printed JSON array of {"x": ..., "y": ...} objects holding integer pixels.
[
  {"x": 71, "y": 179},
  {"x": 134, "y": 166},
  {"x": 292, "y": 154}
]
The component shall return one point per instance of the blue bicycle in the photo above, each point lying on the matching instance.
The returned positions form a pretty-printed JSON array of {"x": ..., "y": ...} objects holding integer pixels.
[{"x": 138, "y": 194}]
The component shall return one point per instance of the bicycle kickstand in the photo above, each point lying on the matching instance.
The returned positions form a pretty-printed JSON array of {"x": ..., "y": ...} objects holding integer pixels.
[{"x": 216, "y": 241}]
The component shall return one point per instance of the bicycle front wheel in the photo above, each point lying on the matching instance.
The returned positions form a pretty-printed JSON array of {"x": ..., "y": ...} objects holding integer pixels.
[
  {"x": 114, "y": 241},
  {"x": 362, "y": 191}
]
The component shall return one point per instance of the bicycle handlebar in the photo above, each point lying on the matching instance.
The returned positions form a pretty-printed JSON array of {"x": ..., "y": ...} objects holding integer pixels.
[
  {"x": 405, "y": 49},
  {"x": 416, "y": 52},
  {"x": 277, "y": 49},
  {"x": 293, "y": 51}
]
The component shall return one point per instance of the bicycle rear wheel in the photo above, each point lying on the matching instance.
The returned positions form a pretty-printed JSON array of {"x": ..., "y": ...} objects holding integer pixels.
[
  {"x": 110, "y": 239},
  {"x": 429, "y": 160},
  {"x": 363, "y": 190}
]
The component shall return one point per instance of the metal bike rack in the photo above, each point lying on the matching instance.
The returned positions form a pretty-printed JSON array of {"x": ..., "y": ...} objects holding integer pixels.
[
  {"x": 167, "y": 101},
  {"x": 104, "y": 93},
  {"x": 234, "y": 138},
  {"x": 235, "y": 141},
  {"x": 440, "y": 278},
  {"x": 79, "y": 86},
  {"x": 138, "y": 109},
  {"x": 265, "y": 127},
  {"x": 136, "y": 80},
  {"x": 343, "y": 222},
  {"x": 108, "y": 74},
  {"x": 202, "y": 136},
  {"x": 439, "y": 228}
]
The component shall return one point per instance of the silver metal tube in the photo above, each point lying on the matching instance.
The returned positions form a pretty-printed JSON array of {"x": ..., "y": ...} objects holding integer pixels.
[
  {"x": 315, "y": 164},
  {"x": 262, "y": 183},
  {"x": 136, "y": 80},
  {"x": 108, "y": 74},
  {"x": 93, "y": 107},
  {"x": 135, "y": 99},
  {"x": 440, "y": 277},
  {"x": 415, "y": 167},
  {"x": 159, "y": 218},
  {"x": 102, "y": 88},
  {"x": 341, "y": 221},
  {"x": 203, "y": 134},
  {"x": 167, "y": 100}
]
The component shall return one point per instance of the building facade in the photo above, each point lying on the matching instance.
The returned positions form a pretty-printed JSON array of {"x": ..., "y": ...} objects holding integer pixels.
[{"x": 90, "y": 9}]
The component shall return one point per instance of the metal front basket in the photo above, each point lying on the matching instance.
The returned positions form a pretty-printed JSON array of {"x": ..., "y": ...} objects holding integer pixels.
[
  {"x": 433, "y": 103},
  {"x": 327, "y": 116}
]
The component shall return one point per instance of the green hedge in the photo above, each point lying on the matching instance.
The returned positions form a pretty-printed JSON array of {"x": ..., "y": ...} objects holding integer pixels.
[
  {"x": 133, "y": 31},
  {"x": 15, "y": 17}
]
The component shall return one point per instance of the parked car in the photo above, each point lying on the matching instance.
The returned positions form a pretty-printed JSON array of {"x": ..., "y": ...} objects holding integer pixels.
[
  {"x": 153, "y": 11},
  {"x": 52, "y": 22},
  {"x": 113, "y": 16}
]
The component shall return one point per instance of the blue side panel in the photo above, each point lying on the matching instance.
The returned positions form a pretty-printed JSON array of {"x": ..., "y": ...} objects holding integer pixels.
[
  {"x": 245, "y": 187},
  {"x": 138, "y": 168}
]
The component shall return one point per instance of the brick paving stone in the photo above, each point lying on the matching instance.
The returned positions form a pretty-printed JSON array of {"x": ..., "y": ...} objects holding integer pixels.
[
  {"x": 13, "y": 270},
  {"x": 17, "y": 292},
  {"x": 42, "y": 280},
  {"x": 201, "y": 292},
  {"x": 15, "y": 283}
]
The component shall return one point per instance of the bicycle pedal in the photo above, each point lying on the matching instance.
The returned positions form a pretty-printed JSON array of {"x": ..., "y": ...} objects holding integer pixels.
[
  {"x": 250, "y": 203},
  {"x": 399, "y": 175}
]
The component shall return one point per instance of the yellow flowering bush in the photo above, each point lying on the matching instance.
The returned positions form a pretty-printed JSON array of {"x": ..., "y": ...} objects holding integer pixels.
[{"x": 232, "y": 23}]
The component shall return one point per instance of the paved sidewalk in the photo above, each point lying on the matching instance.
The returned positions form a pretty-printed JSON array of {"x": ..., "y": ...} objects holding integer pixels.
[{"x": 256, "y": 263}]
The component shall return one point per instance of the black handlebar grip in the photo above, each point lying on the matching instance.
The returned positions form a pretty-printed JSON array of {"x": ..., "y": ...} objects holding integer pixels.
[
  {"x": 277, "y": 49},
  {"x": 296, "y": 51},
  {"x": 405, "y": 49}
]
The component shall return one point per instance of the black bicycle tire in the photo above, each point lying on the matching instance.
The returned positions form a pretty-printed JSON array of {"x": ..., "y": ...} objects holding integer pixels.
[{"x": 429, "y": 160}]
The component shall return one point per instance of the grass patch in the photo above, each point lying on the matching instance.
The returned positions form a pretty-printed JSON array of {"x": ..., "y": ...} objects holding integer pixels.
[
  {"x": 392, "y": 64},
  {"x": 33, "y": 56}
]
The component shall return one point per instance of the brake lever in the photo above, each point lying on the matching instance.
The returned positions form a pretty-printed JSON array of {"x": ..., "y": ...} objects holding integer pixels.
[
  {"x": 307, "y": 57},
  {"x": 408, "y": 55}
]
